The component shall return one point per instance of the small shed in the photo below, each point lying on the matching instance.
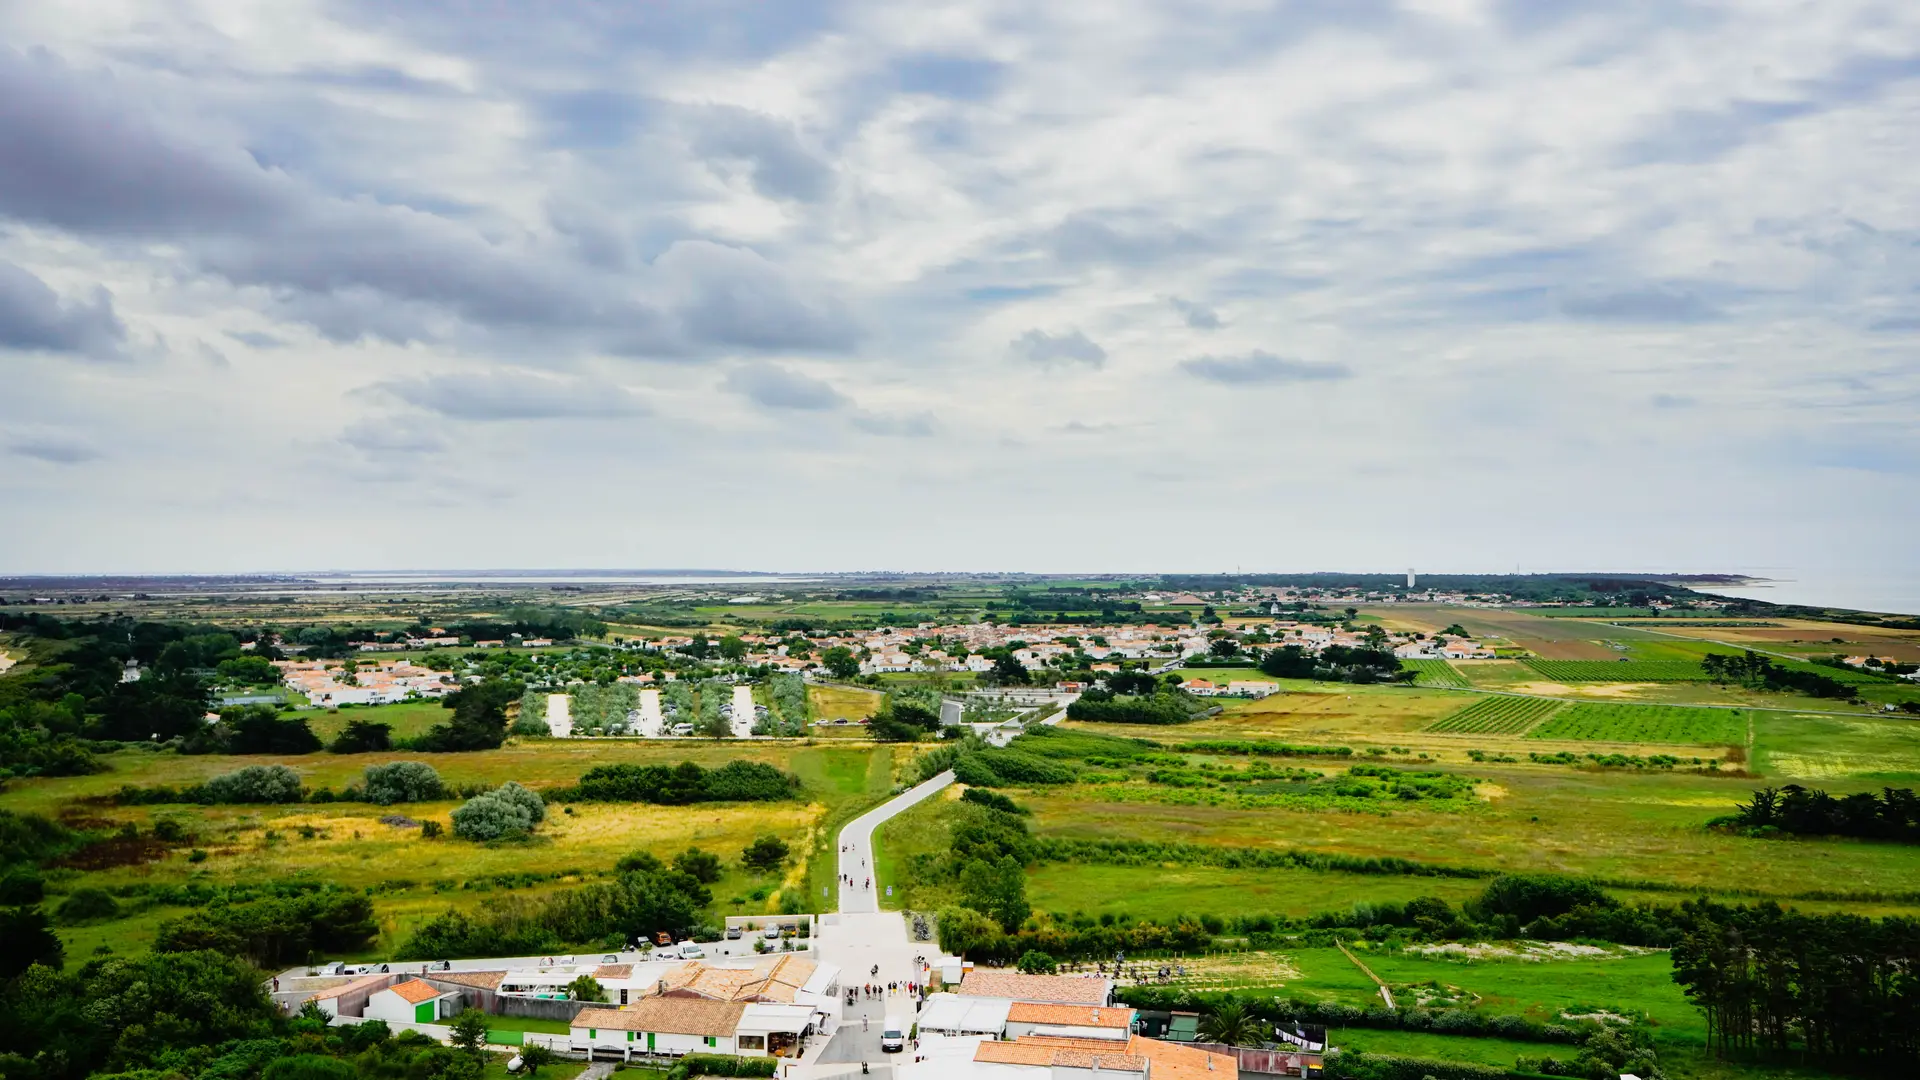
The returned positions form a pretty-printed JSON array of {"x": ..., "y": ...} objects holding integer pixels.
[{"x": 412, "y": 1001}]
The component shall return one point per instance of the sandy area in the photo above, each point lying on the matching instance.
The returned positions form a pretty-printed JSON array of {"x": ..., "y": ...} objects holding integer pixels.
[
  {"x": 1629, "y": 690},
  {"x": 560, "y": 715}
]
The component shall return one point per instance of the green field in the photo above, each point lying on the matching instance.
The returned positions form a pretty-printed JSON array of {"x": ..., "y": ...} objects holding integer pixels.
[
  {"x": 1674, "y": 724},
  {"x": 1619, "y": 670},
  {"x": 1496, "y": 716},
  {"x": 1435, "y": 673}
]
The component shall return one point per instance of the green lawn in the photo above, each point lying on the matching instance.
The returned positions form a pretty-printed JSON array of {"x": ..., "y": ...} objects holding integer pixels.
[{"x": 1162, "y": 892}]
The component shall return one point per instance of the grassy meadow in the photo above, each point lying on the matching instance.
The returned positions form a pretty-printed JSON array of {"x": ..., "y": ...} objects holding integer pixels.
[{"x": 412, "y": 877}]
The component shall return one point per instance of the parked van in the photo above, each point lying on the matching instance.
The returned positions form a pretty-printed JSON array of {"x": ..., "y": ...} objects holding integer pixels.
[
  {"x": 691, "y": 950},
  {"x": 893, "y": 1036}
]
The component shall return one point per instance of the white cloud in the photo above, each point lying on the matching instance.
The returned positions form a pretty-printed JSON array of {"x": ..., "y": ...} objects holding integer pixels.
[{"x": 1544, "y": 232}]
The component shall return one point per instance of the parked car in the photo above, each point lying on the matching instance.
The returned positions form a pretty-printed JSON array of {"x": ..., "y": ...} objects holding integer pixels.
[
  {"x": 733, "y": 933},
  {"x": 335, "y": 968},
  {"x": 773, "y": 932},
  {"x": 691, "y": 950},
  {"x": 663, "y": 938},
  {"x": 610, "y": 958},
  {"x": 440, "y": 965}
]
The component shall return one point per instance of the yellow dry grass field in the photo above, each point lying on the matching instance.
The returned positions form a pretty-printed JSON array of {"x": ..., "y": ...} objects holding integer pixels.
[{"x": 840, "y": 702}]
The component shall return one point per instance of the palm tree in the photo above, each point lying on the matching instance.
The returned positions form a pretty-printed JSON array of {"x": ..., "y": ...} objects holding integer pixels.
[{"x": 1231, "y": 1024}]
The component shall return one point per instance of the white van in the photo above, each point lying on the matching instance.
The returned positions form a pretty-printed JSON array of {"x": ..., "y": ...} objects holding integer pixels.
[
  {"x": 691, "y": 950},
  {"x": 893, "y": 1036}
]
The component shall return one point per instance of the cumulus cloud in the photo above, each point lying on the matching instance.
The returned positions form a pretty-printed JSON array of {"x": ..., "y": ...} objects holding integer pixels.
[
  {"x": 774, "y": 387},
  {"x": 508, "y": 394},
  {"x": 34, "y": 318},
  {"x": 781, "y": 166},
  {"x": 1058, "y": 350},
  {"x": 1262, "y": 367},
  {"x": 1198, "y": 316}
]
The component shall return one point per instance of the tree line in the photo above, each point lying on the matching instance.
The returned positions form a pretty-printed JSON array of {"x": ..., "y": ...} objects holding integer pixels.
[
  {"x": 1891, "y": 814},
  {"x": 1758, "y": 672}
]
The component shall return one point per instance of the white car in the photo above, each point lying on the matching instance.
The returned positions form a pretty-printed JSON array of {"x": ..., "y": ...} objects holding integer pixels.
[
  {"x": 691, "y": 950},
  {"x": 773, "y": 932}
]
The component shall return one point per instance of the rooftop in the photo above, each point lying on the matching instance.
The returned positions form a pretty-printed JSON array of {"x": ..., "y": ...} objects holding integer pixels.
[
  {"x": 668, "y": 1016},
  {"x": 1049, "y": 989}
]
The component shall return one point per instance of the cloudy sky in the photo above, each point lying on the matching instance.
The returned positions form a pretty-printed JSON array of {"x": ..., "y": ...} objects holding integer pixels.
[{"x": 1310, "y": 284}]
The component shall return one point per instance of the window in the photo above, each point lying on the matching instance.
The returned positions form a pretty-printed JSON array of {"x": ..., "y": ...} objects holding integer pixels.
[
  {"x": 753, "y": 1042},
  {"x": 593, "y": 1033},
  {"x": 709, "y": 1040}
]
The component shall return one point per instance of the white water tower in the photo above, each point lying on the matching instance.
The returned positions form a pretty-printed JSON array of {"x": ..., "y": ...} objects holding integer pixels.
[{"x": 1409, "y": 577}]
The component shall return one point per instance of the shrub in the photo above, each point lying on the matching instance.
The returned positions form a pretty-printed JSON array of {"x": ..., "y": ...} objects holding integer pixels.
[
  {"x": 197, "y": 855},
  {"x": 764, "y": 854},
  {"x": 309, "y": 1067},
  {"x": 993, "y": 800},
  {"x": 490, "y": 817},
  {"x": 702, "y": 866},
  {"x": 1035, "y": 962},
  {"x": 255, "y": 784},
  {"x": 402, "y": 781},
  {"x": 430, "y": 829},
  {"x": 88, "y": 905},
  {"x": 362, "y": 737},
  {"x": 716, "y": 1065},
  {"x": 535, "y": 807}
]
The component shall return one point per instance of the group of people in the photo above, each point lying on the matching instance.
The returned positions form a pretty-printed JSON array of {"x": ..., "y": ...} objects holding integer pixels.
[
  {"x": 849, "y": 880},
  {"x": 870, "y": 991}
]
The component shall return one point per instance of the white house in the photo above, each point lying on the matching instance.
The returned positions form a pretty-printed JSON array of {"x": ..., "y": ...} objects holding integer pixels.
[
  {"x": 661, "y": 1025},
  {"x": 412, "y": 1002}
]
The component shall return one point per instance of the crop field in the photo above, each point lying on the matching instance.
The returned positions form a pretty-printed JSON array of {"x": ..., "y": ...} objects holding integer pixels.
[
  {"x": 1619, "y": 670},
  {"x": 1436, "y": 673},
  {"x": 1496, "y": 716},
  {"x": 1673, "y": 724},
  {"x": 842, "y": 703}
]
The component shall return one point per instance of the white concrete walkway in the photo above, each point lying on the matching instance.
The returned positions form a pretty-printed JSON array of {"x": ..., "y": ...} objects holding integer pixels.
[
  {"x": 560, "y": 715},
  {"x": 652, "y": 724},
  {"x": 856, "y": 845}
]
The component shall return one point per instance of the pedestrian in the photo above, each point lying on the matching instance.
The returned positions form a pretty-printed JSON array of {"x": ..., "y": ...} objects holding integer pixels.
[{"x": 276, "y": 981}]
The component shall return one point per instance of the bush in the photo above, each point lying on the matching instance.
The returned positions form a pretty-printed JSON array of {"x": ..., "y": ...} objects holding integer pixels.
[
  {"x": 402, "y": 781},
  {"x": 21, "y": 885},
  {"x": 993, "y": 800},
  {"x": 88, "y": 905},
  {"x": 309, "y": 1067},
  {"x": 766, "y": 853},
  {"x": 736, "y": 781},
  {"x": 1035, "y": 962},
  {"x": 535, "y": 807},
  {"x": 429, "y": 829},
  {"x": 702, "y": 866},
  {"x": 362, "y": 737},
  {"x": 717, "y": 1065},
  {"x": 255, "y": 784},
  {"x": 490, "y": 817}
]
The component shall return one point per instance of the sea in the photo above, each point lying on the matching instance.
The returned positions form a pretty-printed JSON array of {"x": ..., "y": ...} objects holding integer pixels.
[{"x": 1894, "y": 592}]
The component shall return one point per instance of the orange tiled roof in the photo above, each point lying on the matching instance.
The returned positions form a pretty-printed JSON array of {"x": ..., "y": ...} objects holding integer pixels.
[
  {"x": 1028, "y": 1012},
  {"x": 1052, "y": 989},
  {"x": 416, "y": 991}
]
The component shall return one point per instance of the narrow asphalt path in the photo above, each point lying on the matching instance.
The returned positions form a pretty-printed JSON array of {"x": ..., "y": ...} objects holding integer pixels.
[{"x": 857, "y": 891}]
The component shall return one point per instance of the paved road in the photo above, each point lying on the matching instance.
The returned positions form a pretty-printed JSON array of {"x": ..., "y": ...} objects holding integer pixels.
[
  {"x": 870, "y": 946},
  {"x": 857, "y": 892}
]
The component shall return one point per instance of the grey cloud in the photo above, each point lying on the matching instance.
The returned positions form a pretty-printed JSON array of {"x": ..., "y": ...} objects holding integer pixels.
[
  {"x": 1896, "y": 324},
  {"x": 83, "y": 158},
  {"x": 947, "y": 76},
  {"x": 776, "y": 387},
  {"x": 1651, "y": 305},
  {"x": 912, "y": 425},
  {"x": 734, "y": 296},
  {"x": 1674, "y": 401},
  {"x": 1198, "y": 316},
  {"x": 783, "y": 167},
  {"x": 257, "y": 339},
  {"x": 34, "y": 318},
  {"x": 53, "y": 450},
  {"x": 507, "y": 394},
  {"x": 1055, "y": 350},
  {"x": 1262, "y": 367},
  {"x": 392, "y": 435},
  {"x": 1122, "y": 238}
]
